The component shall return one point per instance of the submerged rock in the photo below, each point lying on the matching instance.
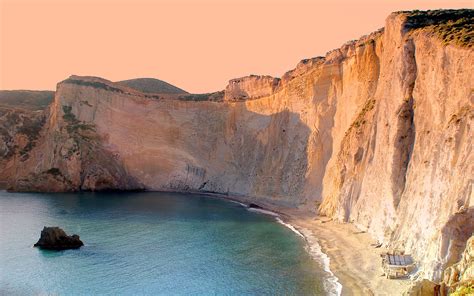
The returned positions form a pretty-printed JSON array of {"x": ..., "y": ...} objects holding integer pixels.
[{"x": 54, "y": 238}]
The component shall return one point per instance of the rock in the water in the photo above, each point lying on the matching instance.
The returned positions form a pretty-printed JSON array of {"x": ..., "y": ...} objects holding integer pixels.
[
  {"x": 254, "y": 206},
  {"x": 54, "y": 238}
]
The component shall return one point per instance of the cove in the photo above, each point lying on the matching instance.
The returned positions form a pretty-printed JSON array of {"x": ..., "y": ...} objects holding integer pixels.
[{"x": 151, "y": 243}]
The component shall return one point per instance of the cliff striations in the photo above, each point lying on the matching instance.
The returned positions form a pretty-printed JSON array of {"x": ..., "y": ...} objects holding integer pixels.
[{"x": 377, "y": 133}]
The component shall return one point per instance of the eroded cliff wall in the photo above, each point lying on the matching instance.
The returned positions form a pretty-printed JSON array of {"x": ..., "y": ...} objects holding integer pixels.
[
  {"x": 377, "y": 133},
  {"x": 404, "y": 171}
]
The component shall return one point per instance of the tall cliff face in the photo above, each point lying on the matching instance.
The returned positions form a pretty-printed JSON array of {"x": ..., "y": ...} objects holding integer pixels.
[
  {"x": 404, "y": 169},
  {"x": 377, "y": 132}
]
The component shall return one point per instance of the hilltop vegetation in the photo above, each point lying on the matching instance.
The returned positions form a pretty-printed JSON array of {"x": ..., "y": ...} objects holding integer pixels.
[
  {"x": 451, "y": 26},
  {"x": 32, "y": 100},
  {"x": 152, "y": 85}
]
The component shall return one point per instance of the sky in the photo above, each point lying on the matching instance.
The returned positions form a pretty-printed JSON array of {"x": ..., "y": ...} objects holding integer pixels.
[{"x": 197, "y": 45}]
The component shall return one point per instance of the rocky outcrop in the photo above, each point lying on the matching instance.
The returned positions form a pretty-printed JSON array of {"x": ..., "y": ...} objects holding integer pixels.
[
  {"x": 460, "y": 276},
  {"x": 250, "y": 87},
  {"x": 20, "y": 131},
  {"x": 26, "y": 100},
  {"x": 377, "y": 133},
  {"x": 70, "y": 156},
  {"x": 423, "y": 288},
  {"x": 23, "y": 115},
  {"x": 54, "y": 238}
]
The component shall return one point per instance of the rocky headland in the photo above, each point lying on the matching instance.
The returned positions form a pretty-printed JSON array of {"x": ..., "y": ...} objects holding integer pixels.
[{"x": 377, "y": 133}]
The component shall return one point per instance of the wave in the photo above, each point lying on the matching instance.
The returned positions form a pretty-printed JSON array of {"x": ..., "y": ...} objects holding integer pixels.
[
  {"x": 331, "y": 284},
  {"x": 290, "y": 227},
  {"x": 237, "y": 202}
]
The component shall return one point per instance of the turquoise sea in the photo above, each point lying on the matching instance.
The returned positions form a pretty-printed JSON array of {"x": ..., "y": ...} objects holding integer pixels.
[{"x": 150, "y": 243}]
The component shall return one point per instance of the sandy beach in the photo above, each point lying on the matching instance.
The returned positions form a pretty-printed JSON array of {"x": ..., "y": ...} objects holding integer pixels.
[{"x": 353, "y": 259}]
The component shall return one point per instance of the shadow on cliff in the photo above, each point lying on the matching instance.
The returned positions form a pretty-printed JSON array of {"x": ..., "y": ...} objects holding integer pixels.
[
  {"x": 454, "y": 235},
  {"x": 267, "y": 157},
  {"x": 263, "y": 156}
]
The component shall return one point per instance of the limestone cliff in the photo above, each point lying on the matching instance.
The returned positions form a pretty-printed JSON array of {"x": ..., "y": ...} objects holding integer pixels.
[
  {"x": 250, "y": 87},
  {"x": 377, "y": 132},
  {"x": 404, "y": 168}
]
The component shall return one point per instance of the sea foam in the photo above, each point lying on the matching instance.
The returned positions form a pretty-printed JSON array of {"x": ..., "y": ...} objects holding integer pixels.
[
  {"x": 331, "y": 283},
  {"x": 290, "y": 227},
  {"x": 237, "y": 202}
]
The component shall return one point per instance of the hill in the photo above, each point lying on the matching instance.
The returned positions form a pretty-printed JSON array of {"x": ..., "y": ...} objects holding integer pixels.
[
  {"x": 26, "y": 99},
  {"x": 152, "y": 85}
]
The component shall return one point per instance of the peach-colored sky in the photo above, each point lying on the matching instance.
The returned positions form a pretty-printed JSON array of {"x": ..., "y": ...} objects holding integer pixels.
[{"x": 197, "y": 45}]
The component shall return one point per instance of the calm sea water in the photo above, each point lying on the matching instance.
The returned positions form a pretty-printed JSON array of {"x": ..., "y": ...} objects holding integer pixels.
[{"x": 150, "y": 243}]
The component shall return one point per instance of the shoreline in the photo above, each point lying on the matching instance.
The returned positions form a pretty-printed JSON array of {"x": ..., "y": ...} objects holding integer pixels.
[
  {"x": 348, "y": 253},
  {"x": 352, "y": 258},
  {"x": 331, "y": 284}
]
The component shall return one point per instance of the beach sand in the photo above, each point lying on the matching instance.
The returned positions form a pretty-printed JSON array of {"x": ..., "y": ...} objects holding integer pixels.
[{"x": 353, "y": 260}]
